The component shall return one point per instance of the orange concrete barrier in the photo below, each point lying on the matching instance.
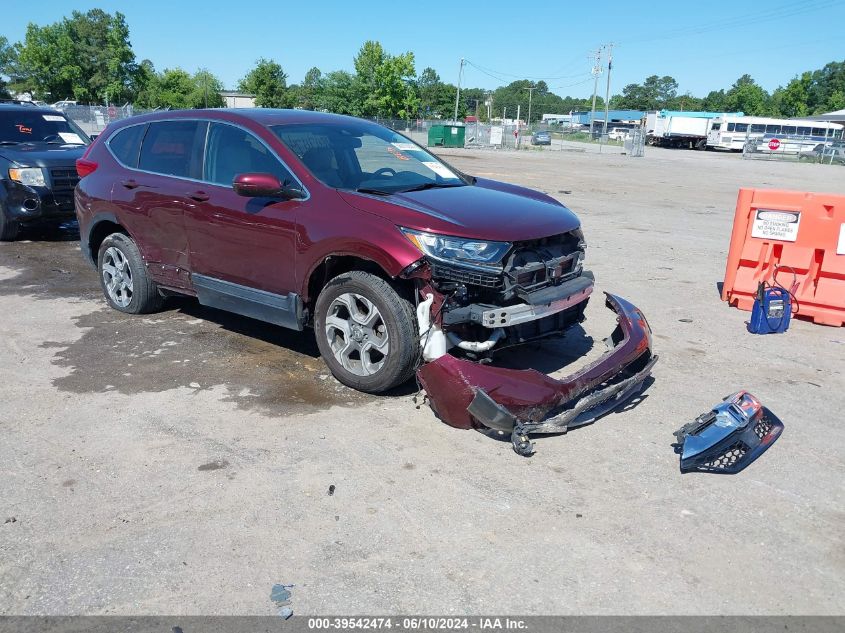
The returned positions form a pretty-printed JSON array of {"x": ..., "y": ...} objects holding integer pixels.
[{"x": 802, "y": 231}]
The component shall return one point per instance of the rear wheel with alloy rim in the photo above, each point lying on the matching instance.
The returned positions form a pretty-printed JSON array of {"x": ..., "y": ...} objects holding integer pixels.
[
  {"x": 366, "y": 332},
  {"x": 123, "y": 276}
]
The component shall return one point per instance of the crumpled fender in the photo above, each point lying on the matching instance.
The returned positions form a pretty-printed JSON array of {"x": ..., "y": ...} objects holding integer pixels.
[{"x": 528, "y": 395}]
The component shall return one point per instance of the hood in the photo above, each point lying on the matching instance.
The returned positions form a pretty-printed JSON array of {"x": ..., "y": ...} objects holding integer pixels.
[
  {"x": 42, "y": 155},
  {"x": 487, "y": 210}
]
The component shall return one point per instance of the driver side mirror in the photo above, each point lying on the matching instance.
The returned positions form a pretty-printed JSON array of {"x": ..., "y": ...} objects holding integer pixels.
[{"x": 260, "y": 185}]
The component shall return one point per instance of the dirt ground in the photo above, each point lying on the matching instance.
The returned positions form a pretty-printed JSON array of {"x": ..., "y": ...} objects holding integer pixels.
[{"x": 180, "y": 463}]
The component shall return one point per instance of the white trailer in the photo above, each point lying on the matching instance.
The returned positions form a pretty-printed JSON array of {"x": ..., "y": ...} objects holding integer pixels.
[{"x": 679, "y": 129}]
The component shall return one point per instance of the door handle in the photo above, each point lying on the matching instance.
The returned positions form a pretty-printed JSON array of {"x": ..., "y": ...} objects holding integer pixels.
[
  {"x": 199, "y": 196},
  {"x": 130, "y": 183}
]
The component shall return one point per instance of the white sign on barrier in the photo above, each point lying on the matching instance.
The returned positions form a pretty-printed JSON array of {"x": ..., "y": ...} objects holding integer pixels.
[
  {"x": 776, "y": 225},
  {"x": 840, "y": 247}
]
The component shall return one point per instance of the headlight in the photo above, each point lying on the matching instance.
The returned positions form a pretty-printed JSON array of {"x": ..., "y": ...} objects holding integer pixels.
[
  {"x": 31, "y": 176},
  {"x": 458, "y": 250}
]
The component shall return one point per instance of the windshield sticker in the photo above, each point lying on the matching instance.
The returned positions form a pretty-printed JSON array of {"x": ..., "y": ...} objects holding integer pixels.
[
  {"x": 406, "y": 147},
  {"x": 23, "y": 129},
  {"x": 440, "y": 170},
  {"x": 397, "y": 153},
  {"x": 71, "y": 138},
  {"x": 53, "y": 117}
]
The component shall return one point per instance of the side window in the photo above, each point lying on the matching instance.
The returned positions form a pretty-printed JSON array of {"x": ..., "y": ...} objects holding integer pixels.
[
  {"x": 231, "y": 151},
  {"x": 126, "y": 144},
  {"x": 171, "y": 148}
]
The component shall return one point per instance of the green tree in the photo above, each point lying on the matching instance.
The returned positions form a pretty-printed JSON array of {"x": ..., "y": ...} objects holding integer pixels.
[
  {"x": 145, "y": 85},
  {"x": 714, "y": 101},
  {"x": 310, "y": 89},
  {"x": 792, "y": 101},
  {"x": 428, "y": 85},
  {"x": 836, "y": 101},
  {"x": 655, "y": 93},
  {"x": 824, "y": 93},
  {"x": 340, "y": 94},
  {"x": 748, "y": 97},
  {"x": 206, "y": 90},
  {"x": 87, "y": 56},
  {"x": 268, "y": 82},
  {"x": 173, "y": 89},
  {"x": 7, "y": 59},
  {"x": 385, "y": 83},
  {"x": 515, "y": 96}
]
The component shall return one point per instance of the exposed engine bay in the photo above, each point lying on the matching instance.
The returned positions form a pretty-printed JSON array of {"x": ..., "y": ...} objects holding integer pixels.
[
  {"x": 465, "y": 314},
  {"x": 541, "y": 290}
]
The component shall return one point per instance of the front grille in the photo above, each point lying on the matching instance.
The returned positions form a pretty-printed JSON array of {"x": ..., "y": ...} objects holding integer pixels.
[
  {"x": 534, "y": 264},
  {"x": 533, "y": 276},
  {"x": 728, "y": 458},
  {"x": 465, "y": 276},
  {"x": 64, "y": 179},
  {"x": 762, "y": 428}
]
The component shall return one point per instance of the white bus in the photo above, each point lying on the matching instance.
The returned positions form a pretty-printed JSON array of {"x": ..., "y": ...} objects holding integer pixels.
[{"x": 733, "y": 132}]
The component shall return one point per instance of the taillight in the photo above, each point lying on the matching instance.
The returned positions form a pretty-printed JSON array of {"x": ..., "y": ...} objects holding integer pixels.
[{"x": 85, "y": 167}]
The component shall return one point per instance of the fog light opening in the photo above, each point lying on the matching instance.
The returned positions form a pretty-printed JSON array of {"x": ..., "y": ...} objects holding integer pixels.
[{"x": 31, "y": 204}]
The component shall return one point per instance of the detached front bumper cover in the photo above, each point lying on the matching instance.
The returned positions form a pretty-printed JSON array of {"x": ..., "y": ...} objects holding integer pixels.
[
  {"x": 469, "y": 395},
  {"x": 729, "y": 437}
]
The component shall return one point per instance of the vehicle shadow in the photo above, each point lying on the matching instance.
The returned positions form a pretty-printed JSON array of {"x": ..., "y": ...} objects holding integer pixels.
[
  {"x": 298, "y": 342},
  {"x": 547, "y": 355},
  {"x": 50, "y": 232}
]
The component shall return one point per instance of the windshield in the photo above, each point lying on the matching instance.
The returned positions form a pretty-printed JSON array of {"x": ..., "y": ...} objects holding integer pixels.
[
  {"x": 22, "y": 126},
  {"x": 365, "y": 157}
]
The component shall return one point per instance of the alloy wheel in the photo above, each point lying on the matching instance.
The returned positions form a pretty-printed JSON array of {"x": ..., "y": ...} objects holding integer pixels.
[
  {"x": 357, "y": 334},
  {"x": 117, "y": 276}
]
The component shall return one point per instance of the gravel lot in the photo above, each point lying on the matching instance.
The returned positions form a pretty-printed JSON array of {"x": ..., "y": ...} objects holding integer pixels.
[{"x": 179, "y": 463}]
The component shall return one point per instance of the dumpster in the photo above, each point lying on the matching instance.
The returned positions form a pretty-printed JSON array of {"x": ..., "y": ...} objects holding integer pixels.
[{"x": 446, "y": 135}]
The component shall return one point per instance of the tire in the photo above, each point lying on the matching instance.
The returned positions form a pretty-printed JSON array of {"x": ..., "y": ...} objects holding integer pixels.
[
  {"x": 9, "y": 229},
  {"x": 368, "y": 351},
  {"x": 133, "y": 291}
]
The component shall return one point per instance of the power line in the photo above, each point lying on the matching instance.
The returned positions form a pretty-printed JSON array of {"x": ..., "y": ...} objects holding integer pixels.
[
  {"x": 500, "y": 76},
  {"x": 788, "y": 10}
]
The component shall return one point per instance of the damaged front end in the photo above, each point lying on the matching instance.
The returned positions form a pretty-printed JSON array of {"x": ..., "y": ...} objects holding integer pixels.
[{"x": 541, "y": 292}]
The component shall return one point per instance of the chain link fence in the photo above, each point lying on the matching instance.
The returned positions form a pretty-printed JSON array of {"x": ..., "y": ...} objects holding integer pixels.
[
  {"x": 794, "y": 148},
  {"x": 93, "y": 120}
]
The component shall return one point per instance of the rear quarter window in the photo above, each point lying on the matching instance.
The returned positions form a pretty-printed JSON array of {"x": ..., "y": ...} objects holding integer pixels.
[
  {"x": 125, "y": 144},
  {"x": 172, "y": 148}
]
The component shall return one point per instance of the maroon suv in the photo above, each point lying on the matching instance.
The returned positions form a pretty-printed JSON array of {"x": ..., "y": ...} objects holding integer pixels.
[{"x": 398, "y": 261}]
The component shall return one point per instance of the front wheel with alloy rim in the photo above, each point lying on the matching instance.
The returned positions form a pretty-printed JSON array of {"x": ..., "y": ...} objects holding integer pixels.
[
  {"x": 366, "y": 332},
  {"x": 123, "y": 276}
]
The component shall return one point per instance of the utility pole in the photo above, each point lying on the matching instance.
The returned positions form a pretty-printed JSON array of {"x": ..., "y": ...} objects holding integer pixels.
[
  {"x": 530, "y": 93},
  {"x": 458, "y": 94},
  {"x": 518, "y": 110},
  {"x": 596, "y": 72},
  {"x": 607, "y": 90}
]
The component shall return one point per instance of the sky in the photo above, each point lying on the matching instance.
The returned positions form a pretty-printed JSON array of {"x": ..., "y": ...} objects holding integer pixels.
[{"x": 704, "y": 45}]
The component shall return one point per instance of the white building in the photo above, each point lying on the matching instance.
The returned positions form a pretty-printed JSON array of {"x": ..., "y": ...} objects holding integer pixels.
[{"x": 235, "y": 99}]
